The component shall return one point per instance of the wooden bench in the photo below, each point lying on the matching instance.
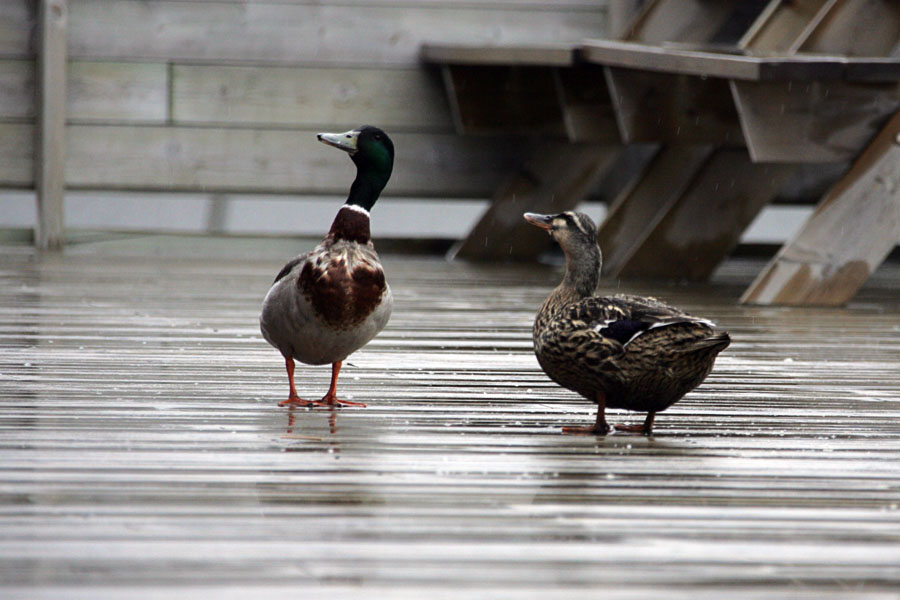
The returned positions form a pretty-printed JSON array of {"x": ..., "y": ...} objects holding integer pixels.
[{"x": 741, "y": 93}]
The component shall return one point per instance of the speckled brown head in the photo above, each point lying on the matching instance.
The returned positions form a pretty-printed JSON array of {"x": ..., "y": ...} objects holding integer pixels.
[{"x": 576, "y": 234}]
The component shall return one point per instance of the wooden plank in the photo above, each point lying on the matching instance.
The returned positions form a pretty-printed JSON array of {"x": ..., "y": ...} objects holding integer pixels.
[
  {"x": 633, "y": 215},
  {"x": 110, "y": 91},
  {"x": 560, "y": 55},
  {"x": 812, "y": 122},
  {"x": 862, "y": 28},
  {"x": 18, "y": 20},
  {"x": 686, "y": 110},
  {"x": 716, "y": 64},
  {"x": 136, "y": 92},
  {"x": 51, "y": 123},
  {"x": 140, "y": 437},
  {"x": 701, "y": 228},
  {"x": 850, "y": 233},
  {"x": 17, "y": 145},
  {"x": 273, "y": 160},
  {"x": 395, "y": 99},
  {"x": 17, "y": 92},
  {"x": 553, "y": 180},
  {"x": 312, "y": 34}
]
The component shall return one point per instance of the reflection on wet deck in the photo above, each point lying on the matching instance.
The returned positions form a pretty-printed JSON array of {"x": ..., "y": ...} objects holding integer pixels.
[{"x": 143, "y": 454}]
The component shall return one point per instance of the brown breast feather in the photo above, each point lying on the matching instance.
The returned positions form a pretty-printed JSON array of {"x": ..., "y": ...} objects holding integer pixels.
[{"x": 342, "y": 294}]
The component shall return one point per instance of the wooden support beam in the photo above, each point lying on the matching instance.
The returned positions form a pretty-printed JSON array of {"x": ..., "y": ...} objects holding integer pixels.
[
  {"x": 692, "y": 235},
  {"x": 51, "y": 101},
  {"x": 555, "y": 179},
  {"x": 850, "y": 233}
]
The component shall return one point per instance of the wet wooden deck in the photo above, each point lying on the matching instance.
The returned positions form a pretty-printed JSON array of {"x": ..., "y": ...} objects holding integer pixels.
[{"x": 142, "y": 453}]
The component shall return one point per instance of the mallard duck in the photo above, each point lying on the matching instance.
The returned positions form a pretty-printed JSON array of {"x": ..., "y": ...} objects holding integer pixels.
[
  {"x": 326, "y": 304},
  {"x": 631, "y": 352}
]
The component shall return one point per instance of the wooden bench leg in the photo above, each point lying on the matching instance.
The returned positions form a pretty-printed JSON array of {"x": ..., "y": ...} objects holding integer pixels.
[
  {"x": 555, "y": 179},
  {"x": 687, "y": 212},
  {"x": 849, "y": 234}
]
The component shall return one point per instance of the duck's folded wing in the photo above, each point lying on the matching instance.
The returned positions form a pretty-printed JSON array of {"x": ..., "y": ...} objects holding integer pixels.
[
  {"x": 624, "y": 318},
  {"x": 290, "y": 266}
]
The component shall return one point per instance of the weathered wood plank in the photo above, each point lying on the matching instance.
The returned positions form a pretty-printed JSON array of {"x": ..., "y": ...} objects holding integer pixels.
[
  {"x": 18, "y": 22},
  {"x": 315, "y": 33},
  {"x": 851, "y": 232},
  {"x": 553, "y": 180},
  {"x": 662, "y": 59},
  {"x": 273, "y": 160},
  {"x": 50, "y": 157},
  {"x": 136, "y": 92},
  {"x": 392, "y": 98},
  {"x": 705, "y": 224},
  {"x": 817, "y": 121},
  {"x": 784, "y": 25},
  {"x": 17, "y": 154}
]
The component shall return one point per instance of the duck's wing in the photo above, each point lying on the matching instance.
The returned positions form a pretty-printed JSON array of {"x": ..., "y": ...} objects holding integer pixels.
[
  {"x": 287, "y": 268},
  {"x": 628, "y": 319}
]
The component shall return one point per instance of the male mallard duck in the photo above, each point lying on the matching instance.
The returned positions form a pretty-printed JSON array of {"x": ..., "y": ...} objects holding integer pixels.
[
  {"x": 629, "y": 352},
  {"x": 326, "y": 304}
]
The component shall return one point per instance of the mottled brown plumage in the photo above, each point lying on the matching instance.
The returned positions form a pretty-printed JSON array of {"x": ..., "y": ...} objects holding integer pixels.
[{"x": 630, "y": 352}]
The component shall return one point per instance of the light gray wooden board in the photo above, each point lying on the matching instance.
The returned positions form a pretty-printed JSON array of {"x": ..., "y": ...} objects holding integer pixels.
[
  {"x": 96, "y": 91},
  {"x": 390, "y": 98},
  {"x": 261, "y": 160},
  {"x": 369, "y": 34},
  {"x": 143, "y": 454},
  {"x": 18, "y": 18}
]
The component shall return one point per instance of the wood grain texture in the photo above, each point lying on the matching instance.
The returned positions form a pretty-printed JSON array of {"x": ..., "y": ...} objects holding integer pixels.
[
  {"x": 314, "y": 33},
  {"x": 95, "y": 91},
  {"x": 143, "y": 454},
  {"x": 850, "y": 233},
  {"x": 392, "y": 98}
]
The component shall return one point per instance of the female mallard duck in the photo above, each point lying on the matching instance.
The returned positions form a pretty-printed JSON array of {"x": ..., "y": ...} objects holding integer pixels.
[
  {"x": 628, "y": 352},
  {"x": 328, "y": 303}
]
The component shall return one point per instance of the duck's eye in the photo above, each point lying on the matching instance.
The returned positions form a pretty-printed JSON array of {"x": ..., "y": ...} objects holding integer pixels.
[{"x": 377, "y": 136}]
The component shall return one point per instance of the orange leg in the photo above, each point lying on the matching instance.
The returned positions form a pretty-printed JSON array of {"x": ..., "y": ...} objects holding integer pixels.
[
  {"x": 331, "y": 399},
  {"x": 293, "y": 398},
  {"x": 646, "y": 428},
  {"x": 599, "y": 427}
]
